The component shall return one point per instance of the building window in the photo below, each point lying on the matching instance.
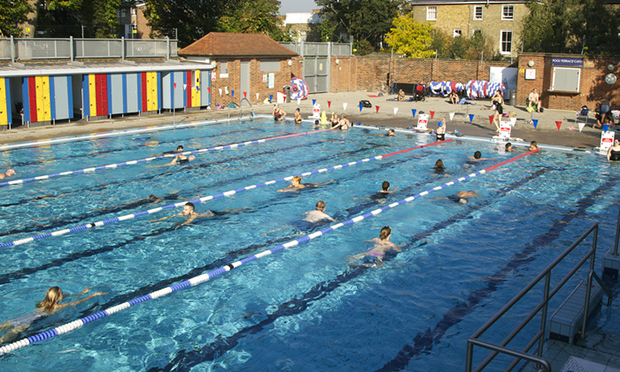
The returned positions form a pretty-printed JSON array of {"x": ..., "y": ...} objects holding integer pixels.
[
  {"x": 133, "y": 11},
  {"x": 431, "y": 13},
  {"x": 508, "y": 13},
  {"x": 478, "y": 13},
  {"x": 566, "y": 79},
  {"x": 223, "y": 67},
  {"x": 477, "y": 32},
  {"x": 505, "y": 46},
  {"x": 457, "y": 33}
]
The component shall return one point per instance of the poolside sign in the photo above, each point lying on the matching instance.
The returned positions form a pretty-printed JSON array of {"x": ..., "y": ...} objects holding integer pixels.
[
  {"x": 505, "y": 128},
  {"x": 316, "y": 111},
  {"x": 422, "y": 122},
  {"x": 607, "y": 139}
]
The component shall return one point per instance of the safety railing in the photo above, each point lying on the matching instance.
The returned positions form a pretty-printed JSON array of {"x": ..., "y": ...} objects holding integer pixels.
[
  {"x": 542, "y": 308},
  {"x": 241, "y": 103},
  {"x": 74, "y": 48}
]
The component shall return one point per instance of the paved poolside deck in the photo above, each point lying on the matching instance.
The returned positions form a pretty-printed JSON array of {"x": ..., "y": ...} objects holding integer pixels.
[{"x": 545, "y": 133}]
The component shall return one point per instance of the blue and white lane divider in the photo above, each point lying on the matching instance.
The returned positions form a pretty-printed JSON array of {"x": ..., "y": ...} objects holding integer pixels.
[
  {"x": 132, "y": 162},
  {"x": 213, "y": 273},
  {"x": 204, "y": 199}
]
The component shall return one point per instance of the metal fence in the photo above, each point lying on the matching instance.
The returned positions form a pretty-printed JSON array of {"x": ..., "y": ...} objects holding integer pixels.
[
  {"x": 320, "y": 49},
  {"x": 73, "y": 48}
]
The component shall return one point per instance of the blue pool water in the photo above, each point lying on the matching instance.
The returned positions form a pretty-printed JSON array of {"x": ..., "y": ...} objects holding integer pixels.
[{"x": 301, "y": 309}]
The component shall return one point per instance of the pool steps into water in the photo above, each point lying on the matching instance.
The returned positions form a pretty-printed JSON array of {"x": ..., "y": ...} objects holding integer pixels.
[
  {"x": 565, "y": 321},
  {"x": 211, "y": 274}
]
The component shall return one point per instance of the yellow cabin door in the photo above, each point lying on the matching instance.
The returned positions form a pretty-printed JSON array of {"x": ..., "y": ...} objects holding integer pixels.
[
  {"x": 151, "y": 90},
  {"x": 44, "y": 112},
  {"x": 196, "y": 88},
  {"x": 4, "y": 116},
  {"x": 92, "y": 94}
]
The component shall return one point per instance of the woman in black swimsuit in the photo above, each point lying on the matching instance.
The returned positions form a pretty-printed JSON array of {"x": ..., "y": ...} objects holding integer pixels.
[{"x": 613, "y": 154}]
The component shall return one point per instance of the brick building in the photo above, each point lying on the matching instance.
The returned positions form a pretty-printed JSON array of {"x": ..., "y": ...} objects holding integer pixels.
[
  {"x": 245, "y": 65},
  {"x": 499, "y": 20},
  {"x": 568, "y": 81}
]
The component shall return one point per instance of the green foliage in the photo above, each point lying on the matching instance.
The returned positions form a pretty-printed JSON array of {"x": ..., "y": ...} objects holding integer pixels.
[
  {"x": 461, "y": 47},
  {"x": 570, "y": 26},
  {"x": 14, "y": 12},
  {"x": 258, "y": 16},
  {"x": 411, "y": 38},
  {"x": 59, "y": 18},
  {"x": 366, "y": 21}
]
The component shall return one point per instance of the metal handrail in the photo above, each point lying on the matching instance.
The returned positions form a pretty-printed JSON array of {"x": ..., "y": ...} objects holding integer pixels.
[
  {"x": 543, "y": 305},
  {"x": 241, "y": 107}
]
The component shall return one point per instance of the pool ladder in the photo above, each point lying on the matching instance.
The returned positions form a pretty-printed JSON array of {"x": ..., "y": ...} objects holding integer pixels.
[
  {"x": 520, "y": 355},
  {"x": 252, "y": 114}
]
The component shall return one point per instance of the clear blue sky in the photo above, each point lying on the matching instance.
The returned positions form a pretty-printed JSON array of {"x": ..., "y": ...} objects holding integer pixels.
[{"x": 297, "y": 6}]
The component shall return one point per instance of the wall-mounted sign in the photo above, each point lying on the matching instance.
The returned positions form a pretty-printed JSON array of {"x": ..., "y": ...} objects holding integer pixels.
[
  {"x": 530, "y": 74},
  {"x": 565, "y": 61}
]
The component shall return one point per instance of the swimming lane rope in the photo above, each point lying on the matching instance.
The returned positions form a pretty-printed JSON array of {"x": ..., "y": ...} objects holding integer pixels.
[
  {"x": 213, "y": 273},
  {"x": 206, "y": 198},
  {"x": 132, "y": 162}
]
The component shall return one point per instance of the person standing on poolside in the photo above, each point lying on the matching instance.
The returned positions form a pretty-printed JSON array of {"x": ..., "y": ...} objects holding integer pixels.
[
  {"x": 318, "y": 214},
  {"x": 8, "y": 173}
]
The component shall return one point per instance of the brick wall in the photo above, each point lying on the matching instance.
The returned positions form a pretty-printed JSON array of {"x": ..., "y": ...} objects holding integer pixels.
[
  {"x": 257, "y": 82},
  {"x": 592, "y": 85},
  {"x": 371, "y": 73}
]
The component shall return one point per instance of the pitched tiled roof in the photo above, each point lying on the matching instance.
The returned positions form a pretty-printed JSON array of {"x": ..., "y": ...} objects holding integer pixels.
[{"x": 227, "y": 44}]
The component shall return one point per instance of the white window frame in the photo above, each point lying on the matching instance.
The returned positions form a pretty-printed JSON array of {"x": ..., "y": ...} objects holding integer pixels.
[
  {"x": 505, "y": 9},
  {"x": 457, "y": 32},
  {"x": 501, "y": 41},
  {"x": 563, "y": 79},
  {"x": 431, "y": 13},
  {"x": 476, "y": 8}
]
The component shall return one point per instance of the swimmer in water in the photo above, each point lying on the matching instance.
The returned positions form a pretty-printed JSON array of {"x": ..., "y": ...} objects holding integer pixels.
[
  {"x": 508, "y": 147},
  {"x": 461, "y": 197},
  {"x": 318, "y": 214},
  {"x": 376, "y": 253},
  {"x": 441, "y": 130},
  {"x": 48, "y": 306},
  {"x": 8, "y": 173},
  {"x": 189, "y": 213},
  {"x": 181, "y": 159},
  {"x": 439, "y": 167},
  {"x": 297, "y": 116},
  {"x": 477, "y": 157},
  {"x": 385, "y": 188},
  {"x": 391, "y": 133},
  {"x": 533, "y": 146}
]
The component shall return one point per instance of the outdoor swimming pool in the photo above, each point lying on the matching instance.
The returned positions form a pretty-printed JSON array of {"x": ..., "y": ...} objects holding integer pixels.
[{"x": 302, "y": 308}]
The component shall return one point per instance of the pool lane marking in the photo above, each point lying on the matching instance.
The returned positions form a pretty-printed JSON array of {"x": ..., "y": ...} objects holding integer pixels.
[
  {"x": 222, "y": 270},
  {"x": 133, "y": 162},
  {"x": 300, "y": 302},
  {"x": 207, "y": 198}
]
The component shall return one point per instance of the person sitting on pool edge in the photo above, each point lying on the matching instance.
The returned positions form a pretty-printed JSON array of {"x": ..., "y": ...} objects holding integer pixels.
[
  {"x": 381, "y": 247},
  {"x": 48, "y": 306},
  {"x": 8, "y": 173},
  {"x": 318, "y": 214},
  {"x": 460, "y": 197}
]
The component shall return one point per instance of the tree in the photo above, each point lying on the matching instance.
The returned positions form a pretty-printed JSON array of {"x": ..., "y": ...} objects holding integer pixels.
[
  {"x": 410, "y": 37},
  {"x": 259, "y": 16},
  {"x": 14, "y": 13},
  {"x": 190, "y": 19},
  {"x": 62, "y": 18},
  {"x": 366, "y": 21},
  {"x": 571, "y": 26}
]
